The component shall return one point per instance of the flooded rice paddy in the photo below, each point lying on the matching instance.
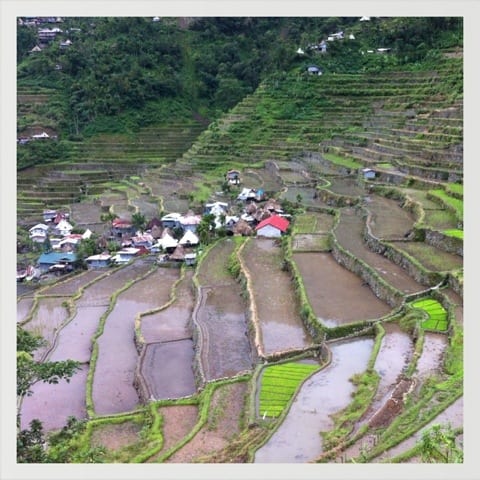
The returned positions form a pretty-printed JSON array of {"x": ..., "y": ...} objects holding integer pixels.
[
  {"x": 276, "y": 305},
  {"x": 298, "y": 438},
  {"x": 337, "y": 295},
  {"x": 430, "y": 361},
  {"x": 113, "y": 383},
  {"x": 392, "y": 359},
  {"x": 53, "y": 404},
  {"x": 46, "y": 321},
  {"x": 383, "y": 212},
  {"x": 24, "y": 306},
  {"x": 167, "y": 369},
  {"x": 225, "y": 345}
]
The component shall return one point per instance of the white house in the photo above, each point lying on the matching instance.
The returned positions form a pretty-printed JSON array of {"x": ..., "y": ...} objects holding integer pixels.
[
  {"x": 40, "y": 136},
  {"x": 189, "y": 239},
  {"x": 101, "y": 260},
  {"x": 38, "y": 233},
  {"x": 368, "y": 173},
  {"x": 63, "y": 228},
  {"x": 171, "y": 220},
  {"x": 190, "y": 222},
  {"x": 167, "y": 242},
  {"x": 125, "y": 255},
  {"x": 314, "y": 70}
]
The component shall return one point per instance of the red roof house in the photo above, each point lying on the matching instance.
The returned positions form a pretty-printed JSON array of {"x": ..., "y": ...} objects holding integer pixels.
[{"x": 272, "y": 226}]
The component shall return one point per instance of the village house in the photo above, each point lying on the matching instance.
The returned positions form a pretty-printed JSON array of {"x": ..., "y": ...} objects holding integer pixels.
[
  {"x": 249, "y": 194},
  {"x": 273, "y": 226},
  {"x": 368, "y": 173},
  {"x": 57, "y": 261},
  {"x": 335, "y": 36},
  {"x": 38, "y": 233},
  {"x": 40, "y": 136},
  {"x": 190, "y": 222},
  {"x": 190, "y": 259},
  {"x": 216, "y": 208},
  {"x": 167, "y": 242},
  {"x": 142, "y": 240},
  {"x": 171, "y": 220},
  {"x": 125, "y": 255},
  {"x": 101, "y": 260},
  {"x": 69, "y": 243},
  {"x": 63, "y": 228},
  {"x": 122, "y": 228},
  {"x": 314, "y": 70},
  {"x": 49, "y": 215},
  {"x": 233, "y": 177},
  {"x": 189, "y": 239}
]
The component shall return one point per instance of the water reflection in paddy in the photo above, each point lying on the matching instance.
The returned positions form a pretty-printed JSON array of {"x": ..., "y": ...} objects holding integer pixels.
[{"x": 298, "y": 439}]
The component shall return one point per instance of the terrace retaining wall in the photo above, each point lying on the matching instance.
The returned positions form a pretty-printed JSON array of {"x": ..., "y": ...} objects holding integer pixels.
[
  {"x": 444, "y": 242},
  {"x": 380, "y": 287},
  {"x": 413, "y": 269}
]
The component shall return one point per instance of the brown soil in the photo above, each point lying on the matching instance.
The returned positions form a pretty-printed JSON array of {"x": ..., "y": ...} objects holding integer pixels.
[
  {"x": 114, "y": 437},
  {"x": 393, "y": 406},
  {"x": 178, "y": 421},
  {"x": 222, "y": 425}
]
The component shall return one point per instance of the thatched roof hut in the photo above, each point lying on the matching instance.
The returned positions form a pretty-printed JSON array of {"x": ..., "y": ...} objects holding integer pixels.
[
  {"x": 242, "y": 228},
  {"x": 178, "y": 254}
]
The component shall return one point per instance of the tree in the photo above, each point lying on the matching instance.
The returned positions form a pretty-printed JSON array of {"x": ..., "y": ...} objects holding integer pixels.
[
  {"x": 205, "y": 228},
  {"x": 438, "y": 445},
  {"x": 30, "y": 442},
  {"x": 139, "y": 221},
  {"x": 30, "y": 371},
  {"x": 87, "y": 248}
]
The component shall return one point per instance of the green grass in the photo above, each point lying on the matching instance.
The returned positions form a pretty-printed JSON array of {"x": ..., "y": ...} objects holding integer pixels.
[
  {"x": 305, "y": 223},
  {"x": 454, "y": 232},
  {"x": 455, "y": 188},
  {"x": 436, "y": 315},
  {"x": 342, "y": 161},
  {"x": 453, "y": 204},
  {"x": 279, "y": 383}
]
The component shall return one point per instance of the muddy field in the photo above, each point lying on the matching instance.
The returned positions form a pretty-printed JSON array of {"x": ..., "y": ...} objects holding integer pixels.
[
  {"x": 276, "y": 306},
  {"x": 349, "y": 233},
  {"x": 337, "y": 295},
  {"x": 113, "y": 384},
  {"x": 222, "y": 424},
  {"x": 383, "y": 211},
  {"x": 221, "y": 317}
]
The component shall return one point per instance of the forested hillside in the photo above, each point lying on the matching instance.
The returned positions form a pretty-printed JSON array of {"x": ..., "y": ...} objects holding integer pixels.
[{"x": 115, "y": 75}]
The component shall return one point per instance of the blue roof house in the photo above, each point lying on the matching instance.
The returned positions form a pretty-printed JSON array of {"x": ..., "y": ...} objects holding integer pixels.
[{"x": 50, "y": 259}]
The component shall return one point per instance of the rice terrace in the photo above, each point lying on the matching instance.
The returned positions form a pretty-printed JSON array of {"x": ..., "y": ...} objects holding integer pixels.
[{"x": 277, "y": 279}]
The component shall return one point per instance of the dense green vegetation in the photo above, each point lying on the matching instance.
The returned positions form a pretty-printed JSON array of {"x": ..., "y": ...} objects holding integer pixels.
[{"x": 120, "y": 74}]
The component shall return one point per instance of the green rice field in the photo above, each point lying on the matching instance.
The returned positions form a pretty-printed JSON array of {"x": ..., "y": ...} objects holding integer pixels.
[
  {"x": 279, "y": 383},
  {"x": 436, "y": 314}
]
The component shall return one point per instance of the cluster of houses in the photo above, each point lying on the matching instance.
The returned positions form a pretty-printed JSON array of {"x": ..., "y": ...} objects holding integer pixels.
[
  {"x": 46, "y": 34},
  {"x": 332, "y": 37},
  {"x": 173, "y": 237}
]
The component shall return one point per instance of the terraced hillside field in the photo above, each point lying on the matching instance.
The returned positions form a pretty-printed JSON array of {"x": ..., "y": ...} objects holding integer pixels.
[{"x": 173, "y": 358}]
